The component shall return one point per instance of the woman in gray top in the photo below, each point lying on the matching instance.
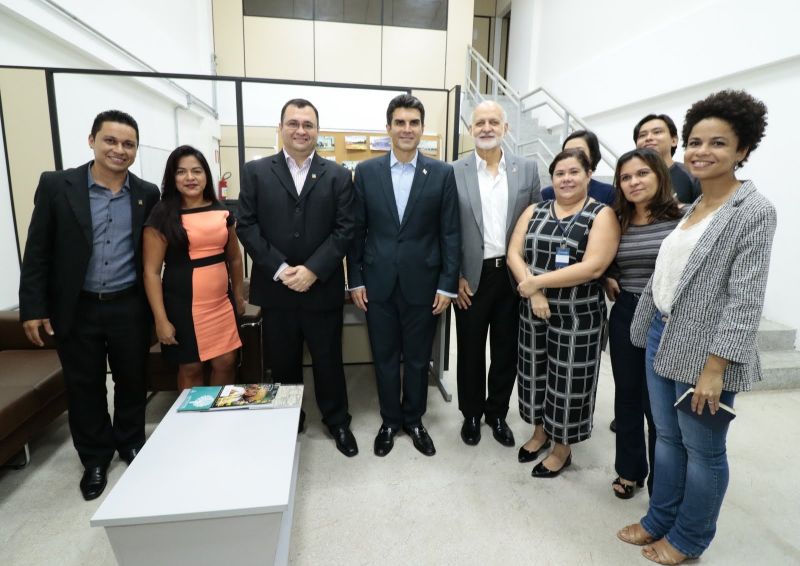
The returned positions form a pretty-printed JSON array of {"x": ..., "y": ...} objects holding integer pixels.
[
  {"x": 698, "y": 317},
  {"x": 647, "y": 213}
]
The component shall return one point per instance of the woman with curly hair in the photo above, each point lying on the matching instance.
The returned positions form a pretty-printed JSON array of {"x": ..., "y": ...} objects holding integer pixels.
[
  {"x": 698, "y": 319},
  {"x": 647, "y": 213}
]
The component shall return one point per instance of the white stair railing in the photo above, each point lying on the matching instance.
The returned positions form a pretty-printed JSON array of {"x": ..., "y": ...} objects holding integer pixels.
[{"x": 538, "y": 106}]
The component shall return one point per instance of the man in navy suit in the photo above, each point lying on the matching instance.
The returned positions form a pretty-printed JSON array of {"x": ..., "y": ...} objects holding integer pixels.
[{"x": 403, "y": 267}]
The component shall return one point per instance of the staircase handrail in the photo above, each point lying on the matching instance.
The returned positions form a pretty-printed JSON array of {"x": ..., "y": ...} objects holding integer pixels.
[{"x": 609, "y": 155}]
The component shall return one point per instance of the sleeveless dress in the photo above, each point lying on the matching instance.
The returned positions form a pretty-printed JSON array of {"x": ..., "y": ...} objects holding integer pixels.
[
  {"x": 197, "y": 295},
  {"x": 559, "y": 358}
]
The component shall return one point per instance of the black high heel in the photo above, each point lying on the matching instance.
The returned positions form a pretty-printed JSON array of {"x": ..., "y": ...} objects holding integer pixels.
[
  {"x": 628, "y": 490},
  {"x": 525, "y": 456}
]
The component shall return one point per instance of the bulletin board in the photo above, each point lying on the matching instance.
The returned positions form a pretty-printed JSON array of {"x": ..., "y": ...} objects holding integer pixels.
[{"x": 349, "y": 148}]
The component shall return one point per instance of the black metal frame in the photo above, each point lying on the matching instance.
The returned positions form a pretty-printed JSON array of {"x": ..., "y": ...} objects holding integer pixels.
[
  {"x": 238, "y": 81},
  {"x": 8, "y": 174}
]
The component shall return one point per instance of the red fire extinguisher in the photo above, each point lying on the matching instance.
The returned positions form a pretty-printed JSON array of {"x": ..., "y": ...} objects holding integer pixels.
[{"x": 223, "y": 185}]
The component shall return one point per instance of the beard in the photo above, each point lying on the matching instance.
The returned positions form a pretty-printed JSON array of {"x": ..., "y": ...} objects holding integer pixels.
[{"x": 488, "y": 143}]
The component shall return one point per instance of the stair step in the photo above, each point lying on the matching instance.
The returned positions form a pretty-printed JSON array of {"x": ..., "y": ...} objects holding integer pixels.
[
  {"x": 773, "y": 336},
  {"x": 781, "y": 370}
]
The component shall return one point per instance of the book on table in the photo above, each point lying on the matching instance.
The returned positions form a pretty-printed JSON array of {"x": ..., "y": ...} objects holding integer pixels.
[
  {"x": 236, "y": 396},
  {"x": 723, "y": 416}
]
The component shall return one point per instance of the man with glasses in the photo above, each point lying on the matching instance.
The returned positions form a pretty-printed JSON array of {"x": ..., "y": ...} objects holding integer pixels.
[{"x": 296, "y": 222}]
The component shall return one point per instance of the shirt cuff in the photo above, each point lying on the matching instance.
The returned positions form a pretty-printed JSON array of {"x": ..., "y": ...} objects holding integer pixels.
[
  {"x": 277, "y": 275},
  {"x": 354, "y": 288},
  {"x": 446, "y": 294}
]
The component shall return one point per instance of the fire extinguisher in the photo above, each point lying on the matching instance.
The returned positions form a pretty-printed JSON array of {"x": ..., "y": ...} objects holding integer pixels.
[{"x": 223, "y": 185}]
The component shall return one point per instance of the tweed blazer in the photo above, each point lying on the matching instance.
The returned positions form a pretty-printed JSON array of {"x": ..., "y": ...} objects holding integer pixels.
[{"x": 719, "y": 298}]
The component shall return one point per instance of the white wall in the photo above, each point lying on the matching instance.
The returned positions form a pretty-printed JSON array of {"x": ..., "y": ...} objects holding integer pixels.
[
  {"x": 339, "y": 108},
  {"x": 620, "y": 61},
  {"x": 9, "y": 283}
]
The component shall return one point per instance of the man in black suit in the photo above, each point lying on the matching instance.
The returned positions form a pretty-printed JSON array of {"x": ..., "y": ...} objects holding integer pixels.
[
  {"x": 296, "y": 222},
  {"x": 403, "y": 267},
  {"x": 81, "y": 281}
]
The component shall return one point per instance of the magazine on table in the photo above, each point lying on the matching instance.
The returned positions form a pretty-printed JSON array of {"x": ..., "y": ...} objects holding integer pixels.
[{"x": 225, "y": 397}]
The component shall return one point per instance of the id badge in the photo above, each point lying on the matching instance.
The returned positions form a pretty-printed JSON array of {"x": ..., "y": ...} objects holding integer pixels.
[{"x": 562, "y": 257}]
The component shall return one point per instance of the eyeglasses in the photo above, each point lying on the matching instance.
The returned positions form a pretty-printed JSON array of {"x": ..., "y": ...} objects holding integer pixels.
[{"x": 294, "y": 125}]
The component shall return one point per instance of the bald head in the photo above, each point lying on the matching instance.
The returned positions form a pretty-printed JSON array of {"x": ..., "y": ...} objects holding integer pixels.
[{"x": 488, "y": 125}]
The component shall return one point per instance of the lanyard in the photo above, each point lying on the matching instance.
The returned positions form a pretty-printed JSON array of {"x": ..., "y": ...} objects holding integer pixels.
[{"x": 565, "y": 231}]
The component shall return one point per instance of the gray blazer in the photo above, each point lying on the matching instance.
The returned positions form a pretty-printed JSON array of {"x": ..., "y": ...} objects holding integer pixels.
[
  {"x": 719, "y": 298},
  {"x": 524, "y": 189}
]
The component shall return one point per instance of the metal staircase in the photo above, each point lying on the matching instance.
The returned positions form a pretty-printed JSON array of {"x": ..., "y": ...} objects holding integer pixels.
[{"x": 538, "y": 121}]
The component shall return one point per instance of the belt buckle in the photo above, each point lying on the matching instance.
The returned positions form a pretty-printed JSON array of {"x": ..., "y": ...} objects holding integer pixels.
[
  {"x": 498, "y": 262},
  {"x": 102, "y": 296}
]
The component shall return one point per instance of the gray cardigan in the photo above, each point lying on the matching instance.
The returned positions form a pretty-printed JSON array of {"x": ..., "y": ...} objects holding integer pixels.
[{"x": 719, "y": 297}]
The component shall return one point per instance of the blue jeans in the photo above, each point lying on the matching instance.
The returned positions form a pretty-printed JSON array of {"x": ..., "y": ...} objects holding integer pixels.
[{"x": 691, "y": 464}]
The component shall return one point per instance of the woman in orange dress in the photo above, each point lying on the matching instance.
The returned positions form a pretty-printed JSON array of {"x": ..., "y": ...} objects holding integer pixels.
[{"x": 194, "y": 307}]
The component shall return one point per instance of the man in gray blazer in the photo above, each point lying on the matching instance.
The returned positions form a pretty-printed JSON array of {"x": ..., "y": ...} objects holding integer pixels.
[{"x": 494, "y": 188}]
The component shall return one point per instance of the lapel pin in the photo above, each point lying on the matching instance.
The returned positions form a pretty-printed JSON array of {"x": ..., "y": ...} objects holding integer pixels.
[
  {"x": 313, "y": 175},
  {"x": 513, "y": 169},
  {"x": 424, "y": 171},
  {"x": 140, "y": 202}
]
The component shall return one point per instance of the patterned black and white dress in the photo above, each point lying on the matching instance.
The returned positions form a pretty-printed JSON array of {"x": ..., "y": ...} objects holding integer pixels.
[{"x": 559, "y": 358}]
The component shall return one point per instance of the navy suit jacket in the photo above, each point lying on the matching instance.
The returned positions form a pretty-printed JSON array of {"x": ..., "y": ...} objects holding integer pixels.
[
  {"x": 421, "y": 251},
  {"x": 60, "y": 244},
  {"x": 598, "y": 190}
]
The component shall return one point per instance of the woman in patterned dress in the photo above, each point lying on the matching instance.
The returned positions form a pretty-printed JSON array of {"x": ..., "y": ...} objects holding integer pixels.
[
  {"x": 558, "y": 252},
  {"x": 193, "y": 233}
]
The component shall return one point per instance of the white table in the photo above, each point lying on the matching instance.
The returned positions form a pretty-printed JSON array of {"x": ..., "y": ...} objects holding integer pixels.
[{"x": 207, "y": 488}]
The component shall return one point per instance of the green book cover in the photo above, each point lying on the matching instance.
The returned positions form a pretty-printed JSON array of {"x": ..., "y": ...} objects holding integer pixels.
[{"x": 200, "y": 398}]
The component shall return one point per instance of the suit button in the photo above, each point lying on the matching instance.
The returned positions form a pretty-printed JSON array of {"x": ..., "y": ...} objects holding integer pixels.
[
  {"x": 297, "y": 234},
  {"x": 298, "y": 210}
]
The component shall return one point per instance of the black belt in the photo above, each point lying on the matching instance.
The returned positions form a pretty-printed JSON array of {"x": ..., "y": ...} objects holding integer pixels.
[
  {"x": 110, "y": 296},
  {"x": 495, "y": 262}
]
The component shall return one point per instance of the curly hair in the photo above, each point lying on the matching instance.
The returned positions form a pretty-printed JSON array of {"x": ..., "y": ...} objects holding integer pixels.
[
  {"x": 663, "y": 206},
  {"x": 746, "y": 115}
]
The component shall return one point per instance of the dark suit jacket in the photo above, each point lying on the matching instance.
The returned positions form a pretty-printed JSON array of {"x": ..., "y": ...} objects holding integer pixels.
[
  {"x": 314, "y": 229},
  {"x": 60, "y": 243},
  {"x": 421, "y": 251},
  {"x": 598, "y": 190}
]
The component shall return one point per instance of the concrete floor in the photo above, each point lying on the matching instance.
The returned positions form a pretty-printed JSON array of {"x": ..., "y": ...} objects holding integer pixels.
[{"x": 466, "y": 505}]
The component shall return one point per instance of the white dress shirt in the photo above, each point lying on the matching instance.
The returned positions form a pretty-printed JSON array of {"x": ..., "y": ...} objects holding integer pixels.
[
  {"x": 299, "y": 174},
  {"x": 494, "y": 207}
]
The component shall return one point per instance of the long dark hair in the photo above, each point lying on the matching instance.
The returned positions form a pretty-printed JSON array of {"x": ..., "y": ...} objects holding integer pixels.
[
  {"x": 663, "y": 206},
  {"x": 166, "y": 215}
]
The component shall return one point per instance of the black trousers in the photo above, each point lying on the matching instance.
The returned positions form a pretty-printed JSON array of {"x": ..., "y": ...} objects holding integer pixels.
[
  {"x": 631, "y": 399},
  {"x": 285, "y": 330},
  {"x": 118, "y": 331},
  {"x": 397, "y": 328},
  {"x": 494, "y": 311}
]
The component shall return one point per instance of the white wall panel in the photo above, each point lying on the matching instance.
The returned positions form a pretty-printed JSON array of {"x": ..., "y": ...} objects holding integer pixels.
[{"x": 347, "y": 53}]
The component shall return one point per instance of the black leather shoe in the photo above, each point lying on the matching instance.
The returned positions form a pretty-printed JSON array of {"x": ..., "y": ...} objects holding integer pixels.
[
  {"x": 93, "y": 482},
  {"x": 384, "y": 442},
  {"x": 301, "y": 426},
  {"x": 128, "y": 455},
  {"x": 524, "y": 456},
  {"x": 471, "y": 430},
  {"x": 542, "y": 471},
  {"x": 500, "y": 430},
  {"x": 422, "y": 441},
  {"x": 345, "y": 441},
  {"x": 613, "y": 426}
]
